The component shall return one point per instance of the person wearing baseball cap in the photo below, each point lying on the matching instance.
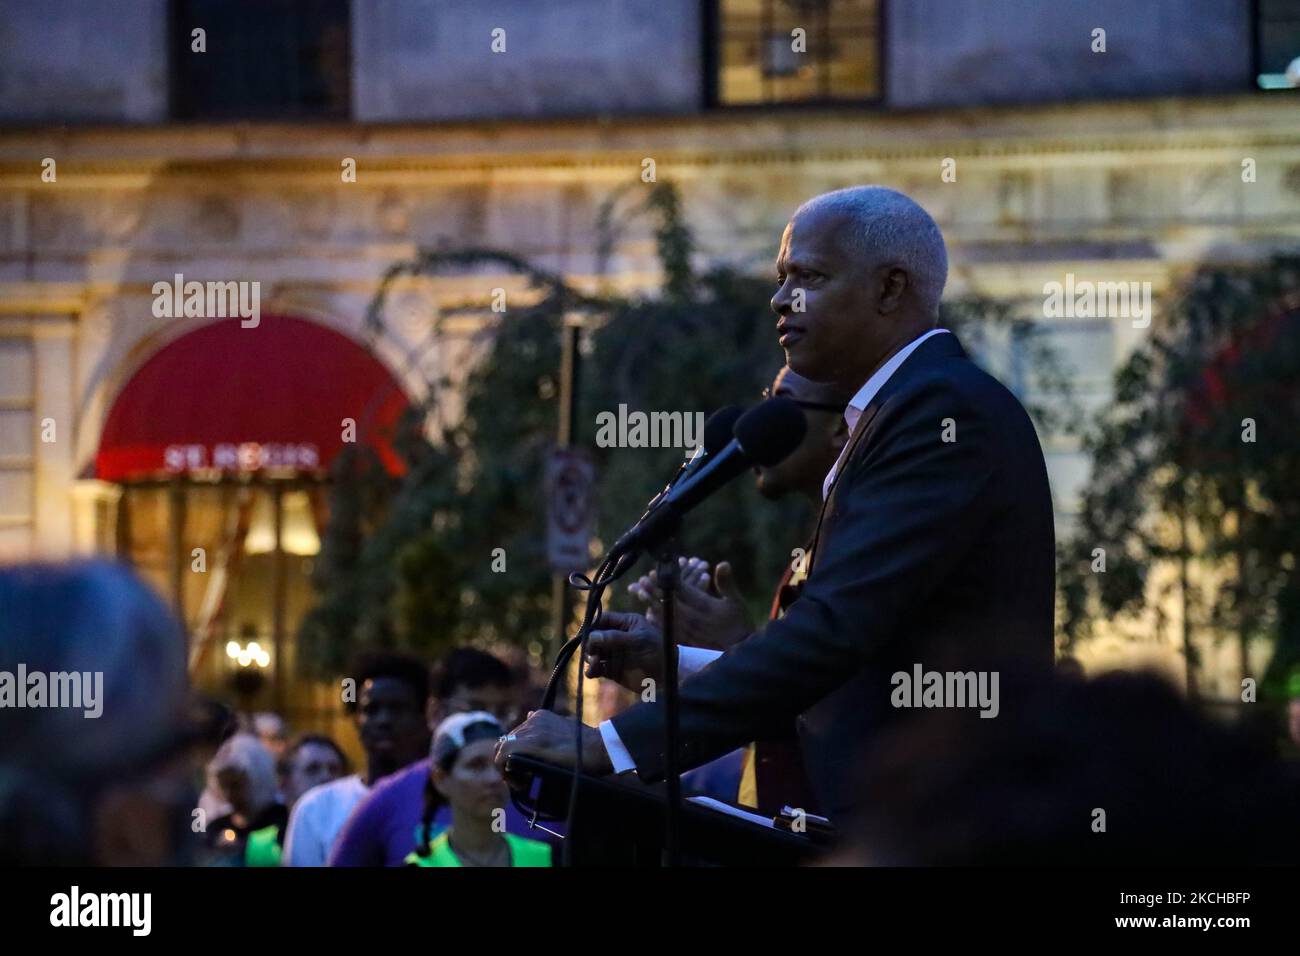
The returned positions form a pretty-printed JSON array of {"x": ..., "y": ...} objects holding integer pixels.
[{"x": 465, "y": 776}]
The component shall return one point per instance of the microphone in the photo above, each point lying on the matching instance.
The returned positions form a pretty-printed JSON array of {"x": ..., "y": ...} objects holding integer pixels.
[
  {"x": 717, "y": 433},
  {"x": 764, "y": 435}
]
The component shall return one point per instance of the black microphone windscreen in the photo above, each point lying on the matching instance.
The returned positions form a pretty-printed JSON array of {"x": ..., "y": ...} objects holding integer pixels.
[
  {"x": 771, "y": 430},
  {"x": 719, "y": 426}
]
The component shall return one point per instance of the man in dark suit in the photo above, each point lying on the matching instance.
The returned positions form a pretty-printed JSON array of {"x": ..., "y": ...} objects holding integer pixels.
[
  {"x": 934, "y": 552},
  {"x": 710, "y": 613}
]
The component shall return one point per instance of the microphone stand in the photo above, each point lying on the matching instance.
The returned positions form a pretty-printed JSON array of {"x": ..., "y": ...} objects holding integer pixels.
[{"x": 667, "y": 573}]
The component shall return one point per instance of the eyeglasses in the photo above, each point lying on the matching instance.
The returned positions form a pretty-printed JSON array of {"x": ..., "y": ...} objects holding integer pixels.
[{"x": 817, "y": 406}]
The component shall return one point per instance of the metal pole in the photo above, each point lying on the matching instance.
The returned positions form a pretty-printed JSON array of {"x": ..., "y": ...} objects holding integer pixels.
[
  {"x": 570, "y": 366},
  {"x": 668, "y": 575},
  {"x": 1189, "y": 652},
  {"x": 280, "y": 595}
]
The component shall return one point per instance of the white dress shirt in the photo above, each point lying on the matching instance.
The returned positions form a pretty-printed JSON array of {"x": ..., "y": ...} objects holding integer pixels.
[
  {"x": 692, "y": 659},
  {"x": 689, "y": 660},
  {"x": 859, "y": 402}
]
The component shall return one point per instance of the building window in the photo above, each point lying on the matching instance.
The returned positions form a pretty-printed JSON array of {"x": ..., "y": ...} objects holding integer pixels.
[
  {"x": 263, "y": 59},
  {"x": 1277, "y": 44},
  {"x": 794, "y": 51}
]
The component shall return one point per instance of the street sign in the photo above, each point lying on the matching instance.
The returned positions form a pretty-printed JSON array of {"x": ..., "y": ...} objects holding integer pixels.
[{"x": 570, "y": 509}]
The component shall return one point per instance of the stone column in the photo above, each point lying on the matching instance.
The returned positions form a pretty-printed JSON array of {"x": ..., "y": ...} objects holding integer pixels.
[
  {"x": 54, "y": 452},
  {"x": 95, "y": 517}
]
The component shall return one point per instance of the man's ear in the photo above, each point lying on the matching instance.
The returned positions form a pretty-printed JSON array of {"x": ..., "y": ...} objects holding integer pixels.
[{"x": 894, "y": 283}]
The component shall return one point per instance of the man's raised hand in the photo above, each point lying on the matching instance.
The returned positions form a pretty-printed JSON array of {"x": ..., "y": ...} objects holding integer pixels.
[{"x": 710, "y": 610}]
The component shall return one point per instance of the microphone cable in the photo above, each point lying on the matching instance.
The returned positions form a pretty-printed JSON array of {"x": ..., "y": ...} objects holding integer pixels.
[{"x": 614, "y": 566}]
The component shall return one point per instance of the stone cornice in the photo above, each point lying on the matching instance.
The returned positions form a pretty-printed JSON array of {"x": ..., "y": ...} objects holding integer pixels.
[{"x": 1161, "y": 130}]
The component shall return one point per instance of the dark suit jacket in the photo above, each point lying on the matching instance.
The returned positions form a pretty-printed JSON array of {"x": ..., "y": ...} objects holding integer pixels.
[{"x": 931, "y": 552}]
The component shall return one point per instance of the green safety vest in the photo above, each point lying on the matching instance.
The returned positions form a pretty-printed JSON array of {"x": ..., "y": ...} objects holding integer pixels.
[
  {"x": 523, "y": 852},
  {"x": 263, "y": 847}
]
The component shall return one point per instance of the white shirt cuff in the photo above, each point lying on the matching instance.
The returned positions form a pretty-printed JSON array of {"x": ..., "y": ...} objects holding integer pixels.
[
  {"x": 619, "y": 757},
  {"x": 691, "y": 660}
]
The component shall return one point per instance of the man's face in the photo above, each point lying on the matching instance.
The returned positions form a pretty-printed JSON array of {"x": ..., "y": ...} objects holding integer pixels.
[
  {"x": 497, "y": 699},
  {"x": 808, "y": 464},
  {"x": 313, "y": 764},
  {"x": 390, "y": 722},
  {"x": 837, "y": 336}
]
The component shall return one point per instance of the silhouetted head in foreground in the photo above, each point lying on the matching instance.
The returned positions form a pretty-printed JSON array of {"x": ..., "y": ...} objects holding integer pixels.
[
  {"x": 1114, "y": 771},
  {"x": 94, "y": 767}
]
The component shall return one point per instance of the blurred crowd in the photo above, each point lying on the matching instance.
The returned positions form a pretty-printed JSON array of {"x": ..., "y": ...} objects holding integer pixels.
[
  {"x": 1115, "y": 769},
  {"x": 427, "y": 793},
  {"x": 165, "y": 777}
]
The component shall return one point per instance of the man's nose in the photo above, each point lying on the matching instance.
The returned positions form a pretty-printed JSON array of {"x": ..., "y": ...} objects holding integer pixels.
[{"x": 781, "y": 301}]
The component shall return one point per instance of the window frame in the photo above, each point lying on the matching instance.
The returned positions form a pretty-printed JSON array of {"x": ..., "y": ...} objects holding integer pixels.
[
  {"x": 711, "y": 60},
  {"x": 181, "y": 109},
  {"x": 1256, "y": 66}
]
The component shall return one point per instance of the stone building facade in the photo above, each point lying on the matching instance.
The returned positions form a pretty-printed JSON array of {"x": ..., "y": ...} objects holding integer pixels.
[{"x": 1059, "y": 162}]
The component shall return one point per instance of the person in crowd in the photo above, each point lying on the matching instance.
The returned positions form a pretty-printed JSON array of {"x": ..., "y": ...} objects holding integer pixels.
[
  {"x": 1118, "y": 770},
  {"x": 464, "y": 775},
  {"x": 392, "y": 694},
  {"x": 1288, "y": 742},
  {"x": 270, "y": 729},
  {"x": 711, "y": 613},
  {"x": 392, "y": 818},
  {"x": 115, "y": 790},
  {"x": 245, "y": 773},
  {"x": 310, "y": 760},
  {"x": 218, "y": 722}
]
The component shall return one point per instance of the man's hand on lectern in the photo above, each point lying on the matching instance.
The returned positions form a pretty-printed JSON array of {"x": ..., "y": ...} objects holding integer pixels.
[
  {"x": 549, "y": 737},
  {"x": 627, "y": 649}
]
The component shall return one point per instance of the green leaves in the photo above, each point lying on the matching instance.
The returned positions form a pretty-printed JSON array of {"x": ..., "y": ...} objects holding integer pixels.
[{"x": 1178, "y": 474}]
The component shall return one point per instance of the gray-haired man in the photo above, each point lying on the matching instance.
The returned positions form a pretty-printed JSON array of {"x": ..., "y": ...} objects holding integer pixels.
[{"x": 934, "y": 544}]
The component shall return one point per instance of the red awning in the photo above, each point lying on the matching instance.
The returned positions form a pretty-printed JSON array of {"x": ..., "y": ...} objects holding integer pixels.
[{"x": 239, "y": 399}]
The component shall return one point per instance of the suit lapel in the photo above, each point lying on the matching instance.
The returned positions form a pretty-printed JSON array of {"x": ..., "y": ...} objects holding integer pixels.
[
  {"x": 938, "y": 346},
  {"x": 859, "y": 430}
]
